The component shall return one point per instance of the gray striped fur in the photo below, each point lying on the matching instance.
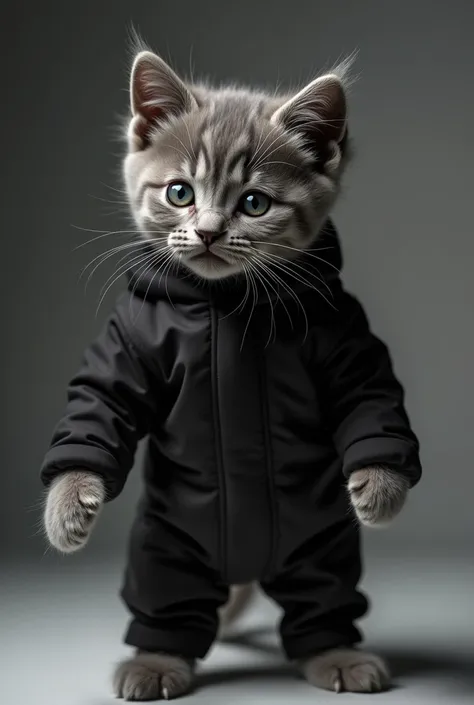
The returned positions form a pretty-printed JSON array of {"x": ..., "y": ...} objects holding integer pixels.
[{"x": 225, "y": 143}]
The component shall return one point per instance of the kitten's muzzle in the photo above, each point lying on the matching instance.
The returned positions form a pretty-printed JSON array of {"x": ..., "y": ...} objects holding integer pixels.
[{"x": 209, "y": 236}]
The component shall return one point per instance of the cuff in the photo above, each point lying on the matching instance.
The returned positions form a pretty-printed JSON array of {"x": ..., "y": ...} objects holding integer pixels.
[
  {"x": 399, "y": 455},
  {"x": 66, "y": 457},
  {"x": 186, "y": 643}
]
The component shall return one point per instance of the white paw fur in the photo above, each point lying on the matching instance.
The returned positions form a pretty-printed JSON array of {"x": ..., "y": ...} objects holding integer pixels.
[
  {"x": 377, "y": 495},
  {"x": 72, "y": 506},
  {"x": 346, "y": 670}
]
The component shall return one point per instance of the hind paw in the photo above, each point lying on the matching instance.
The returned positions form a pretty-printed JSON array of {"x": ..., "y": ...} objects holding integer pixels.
[
  {"x": 150, "y": 676},
  {"x": 347, "y": 670}
]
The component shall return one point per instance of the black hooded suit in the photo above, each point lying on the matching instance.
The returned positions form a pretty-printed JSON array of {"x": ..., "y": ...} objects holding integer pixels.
[{"x": 254, "y": 418}]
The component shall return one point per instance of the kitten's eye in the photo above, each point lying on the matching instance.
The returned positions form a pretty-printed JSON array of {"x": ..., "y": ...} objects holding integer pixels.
[
  {"x": 255, "y": 204},
  {"x": 180, "y": 194}
]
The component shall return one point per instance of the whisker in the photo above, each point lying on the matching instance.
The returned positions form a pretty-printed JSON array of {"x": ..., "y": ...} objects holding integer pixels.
[
  {"x": 107, "y": 233},
  {"x": 124, "y": 257},
  {"x": 184, "y": 146},
  {"x": 116, "y": 276},
  {"x": 134, "y": 262},
  {"x": 289, "y": 263},
  {"x": 157, "y": 258},
  {"x": 140, "y": 272},
  {"x": 304, "y": 281},
  {"x": 155, "y": 262},
  {"x": 293, "y": 166},
  {"x": 248, "y": 270},
  {"x": 297, "y": 300},
  {"x": 285, "y": 142},
  {"x": 272, "y": 331},
  {"x": 190, "y": 142},
  {"x": 301, "y": 251},
  {"x": 266, "y": 156},
  {"x": 240, "y": 306},
  {"x": 138, "y": 246},
  {"x": 112, "y": 188},
  {"x": 176, "y": 149},
  {"x": 256, "y": 148},
  {"x": 280, "y": 282},
  {"x": 291, "y": 132},
  {"x": 115, "y": 250},
  {"x": 108, "y": 200},
  {"x": 260, "y": 147},
  {"x": 174, "y": 267},
  {"x": 110, "y": 213},
  {"x": 258, "y": 163},
  {"x": 166, "y": 270},
  {"x": 134, "y": 247}
]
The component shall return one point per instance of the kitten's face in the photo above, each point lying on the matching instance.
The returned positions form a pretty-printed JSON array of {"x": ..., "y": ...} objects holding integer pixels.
[{"x": 229, "y": 181}]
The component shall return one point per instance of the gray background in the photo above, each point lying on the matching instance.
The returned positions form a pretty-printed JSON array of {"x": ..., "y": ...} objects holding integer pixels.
[
  {"x": 405, "y": 217},
  {"x": 405, "y": 220}
]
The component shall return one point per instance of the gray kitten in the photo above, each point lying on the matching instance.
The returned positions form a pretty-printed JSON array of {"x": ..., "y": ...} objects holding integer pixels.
[{"x": 216, "y": 139}]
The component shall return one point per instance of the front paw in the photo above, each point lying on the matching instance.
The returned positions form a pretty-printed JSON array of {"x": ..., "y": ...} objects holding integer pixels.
[
  {"x": 72, "y": 506},
  {"x": 377, "y": 495}
]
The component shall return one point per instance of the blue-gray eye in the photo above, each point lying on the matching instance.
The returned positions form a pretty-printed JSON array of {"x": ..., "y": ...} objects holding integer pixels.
[
  {"x": 255, "y": 204},
  {"x": 180, "y": 194}
]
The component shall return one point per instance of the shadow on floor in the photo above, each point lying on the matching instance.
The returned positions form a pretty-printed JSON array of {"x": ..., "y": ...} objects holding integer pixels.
[
  {"x": 255, "y": 640},
  {"x": 449, "y": 672}
]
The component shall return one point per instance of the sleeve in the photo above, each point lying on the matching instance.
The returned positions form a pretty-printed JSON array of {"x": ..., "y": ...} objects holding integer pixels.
[
  {"x": 108, "y": 411},
  {"x": 365, "y": 401}
]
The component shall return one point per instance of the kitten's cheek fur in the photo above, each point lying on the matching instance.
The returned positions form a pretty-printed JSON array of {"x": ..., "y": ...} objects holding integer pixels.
[
  {"x": 72, "y": 506},
  {"x": 377, "y": 495}
]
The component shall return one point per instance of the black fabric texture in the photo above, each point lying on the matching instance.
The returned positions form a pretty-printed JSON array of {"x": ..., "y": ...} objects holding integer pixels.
[{"x": 254, "y": 417}]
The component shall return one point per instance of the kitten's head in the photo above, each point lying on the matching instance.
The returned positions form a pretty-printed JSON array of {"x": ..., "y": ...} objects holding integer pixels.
[{"x": 226, "y": 180}]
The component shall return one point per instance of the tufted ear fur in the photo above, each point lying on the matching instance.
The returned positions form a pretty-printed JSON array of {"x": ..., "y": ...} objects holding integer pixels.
[
  {"x": 318, "y": 112},
  {"x": 156, "y": 95}
]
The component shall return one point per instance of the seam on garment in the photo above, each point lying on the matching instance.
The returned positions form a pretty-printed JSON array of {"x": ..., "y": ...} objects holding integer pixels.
[
  {"x": 141, "y": 363},
  {"x": 218, "y": 441},
  {"x": 269, "y": 466},
  {"x": 357, "y": 314},
  {"x": 137, "y": 347}
]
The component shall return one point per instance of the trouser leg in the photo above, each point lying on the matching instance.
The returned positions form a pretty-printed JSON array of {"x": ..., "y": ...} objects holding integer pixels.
[
  {"x": 174, "y": 602},
  {"x": 319, "y": 595}
]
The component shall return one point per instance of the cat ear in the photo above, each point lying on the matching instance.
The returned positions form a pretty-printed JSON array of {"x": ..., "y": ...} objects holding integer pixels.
[
  {"x": 156, "y": 94},
  {"x": 318, "y": 112}
]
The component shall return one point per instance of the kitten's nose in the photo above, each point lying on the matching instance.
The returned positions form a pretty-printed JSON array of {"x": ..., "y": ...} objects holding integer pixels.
[
  {"x": 210, "y": 226},
  {"x": 209, "y": 236}
]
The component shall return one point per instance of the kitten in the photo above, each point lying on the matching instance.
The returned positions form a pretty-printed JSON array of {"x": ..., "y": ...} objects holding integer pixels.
[{"x": 231, "y": 190}]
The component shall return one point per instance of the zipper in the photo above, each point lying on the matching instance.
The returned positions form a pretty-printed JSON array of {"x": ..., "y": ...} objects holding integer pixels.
[
  {"x": 218, "y": 438},
  {"x": 269, "y": 467}
]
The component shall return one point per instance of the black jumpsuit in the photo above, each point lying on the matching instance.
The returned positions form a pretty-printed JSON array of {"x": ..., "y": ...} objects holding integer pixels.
[{"x": 254, "y": 418}]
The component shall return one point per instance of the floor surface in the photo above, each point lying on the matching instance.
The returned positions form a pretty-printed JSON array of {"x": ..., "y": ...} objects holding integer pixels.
[{"x": 61, "y": 626}]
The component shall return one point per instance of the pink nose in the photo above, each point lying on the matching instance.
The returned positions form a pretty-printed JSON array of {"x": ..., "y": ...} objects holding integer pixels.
[{"x": 209, "y": 236}]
